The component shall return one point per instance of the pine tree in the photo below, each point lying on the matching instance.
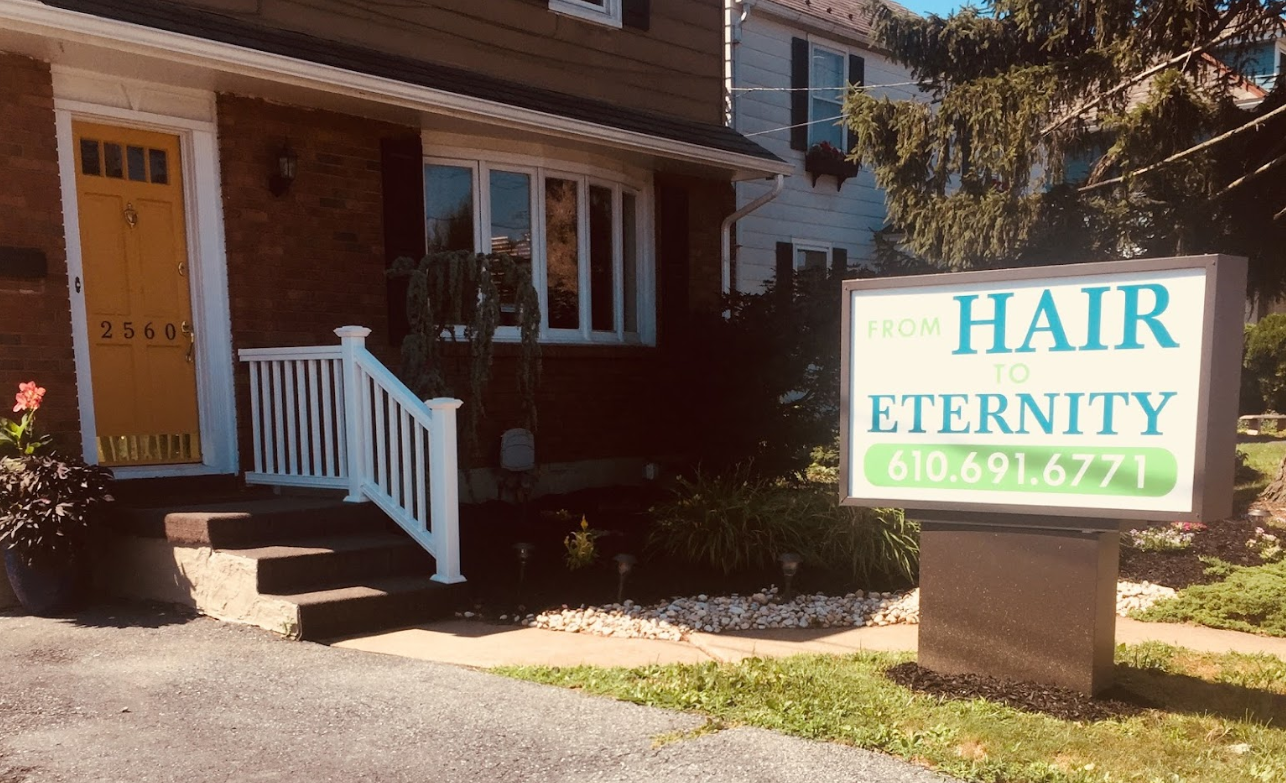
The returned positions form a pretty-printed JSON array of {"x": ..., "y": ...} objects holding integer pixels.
[{"x": 1146, "y": 92}]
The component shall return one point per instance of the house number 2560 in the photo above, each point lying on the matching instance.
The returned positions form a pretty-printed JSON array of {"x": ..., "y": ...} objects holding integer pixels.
[{"x": 129, "y": 330}]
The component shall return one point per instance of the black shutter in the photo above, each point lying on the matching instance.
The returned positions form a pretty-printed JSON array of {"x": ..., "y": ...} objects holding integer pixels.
[
  {"x": 785, "y": 268},
  {"x": 799, "y": 61},
  {"x": 857, "y": 78},
  {"x": 402, "y": 172},
  {"x": 673, "y": 264},
  {"x": 839, "y": 260},
  {"x": 637, "y": 14}
]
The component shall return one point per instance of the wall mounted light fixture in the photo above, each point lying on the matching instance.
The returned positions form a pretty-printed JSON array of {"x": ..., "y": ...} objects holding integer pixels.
[{"x": 284, "y": 172}]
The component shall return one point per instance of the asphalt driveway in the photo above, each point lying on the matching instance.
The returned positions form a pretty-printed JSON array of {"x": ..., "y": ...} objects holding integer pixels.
[{"x": 141, "y": 694}]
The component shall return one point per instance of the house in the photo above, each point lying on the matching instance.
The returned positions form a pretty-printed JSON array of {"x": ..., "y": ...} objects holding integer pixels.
[
  {"x": 197, "y": 194},
  {"x": 791, "y": 61}
]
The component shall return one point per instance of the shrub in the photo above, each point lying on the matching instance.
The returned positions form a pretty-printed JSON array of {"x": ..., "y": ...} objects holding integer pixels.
[
  {"x": 1264, "y": 366},
  {"x": 735, "y": 522},
  {"x": 728, "y": 522},
  {"x": 1252, "y": 598},
  {"x": 47, "y": 504},
  {"x": 769, "y": 390}
]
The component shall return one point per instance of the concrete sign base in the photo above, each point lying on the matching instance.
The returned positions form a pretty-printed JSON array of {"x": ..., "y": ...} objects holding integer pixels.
[{"x": 1019, "y": 603}]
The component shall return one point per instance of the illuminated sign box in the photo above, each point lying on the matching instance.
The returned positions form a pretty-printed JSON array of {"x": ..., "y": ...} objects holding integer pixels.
[{"x": 1104, "y": 390}]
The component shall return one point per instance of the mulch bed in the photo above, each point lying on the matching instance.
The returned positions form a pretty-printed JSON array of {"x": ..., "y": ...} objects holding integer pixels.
[
  {"x": 1026, "y": 696},
  {"x": 1225, "y": 539},
  {"x": 489, "y": 531}
]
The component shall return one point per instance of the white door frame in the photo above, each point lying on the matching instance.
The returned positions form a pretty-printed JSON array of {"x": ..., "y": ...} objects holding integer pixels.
[{"x": 209, "y": 281}]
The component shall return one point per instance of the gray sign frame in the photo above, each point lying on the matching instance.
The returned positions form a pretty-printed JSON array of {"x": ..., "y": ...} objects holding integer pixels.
[{"x": 1222, "y": 332}]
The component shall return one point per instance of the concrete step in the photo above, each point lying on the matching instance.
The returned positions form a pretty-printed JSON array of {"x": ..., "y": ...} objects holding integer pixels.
[
  {"x": 336, "y": 560},
  {"x": 373, "y": 605},
  {"x": 253, "y": 521}
]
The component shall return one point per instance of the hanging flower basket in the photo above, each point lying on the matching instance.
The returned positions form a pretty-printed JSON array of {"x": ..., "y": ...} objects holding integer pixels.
[{"x": 825, "y": 158}]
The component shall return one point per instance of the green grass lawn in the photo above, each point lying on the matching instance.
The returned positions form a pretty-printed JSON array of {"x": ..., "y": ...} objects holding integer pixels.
[
  {"x": 1217, "y": 718},
  {"x": 1264, "y": 454}
]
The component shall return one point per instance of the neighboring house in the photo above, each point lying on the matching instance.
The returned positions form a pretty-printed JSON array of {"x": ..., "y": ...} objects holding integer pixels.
[
  {"x": 791, "y": 63},
  {"x": 148, "y": 235}
]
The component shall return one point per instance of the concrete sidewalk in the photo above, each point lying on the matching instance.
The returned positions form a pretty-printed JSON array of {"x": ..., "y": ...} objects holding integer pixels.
[{"x": 484, "y": 646}]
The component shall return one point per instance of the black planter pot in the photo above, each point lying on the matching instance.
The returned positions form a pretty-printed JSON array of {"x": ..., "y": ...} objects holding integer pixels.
[{"x": 45, "y": 587}]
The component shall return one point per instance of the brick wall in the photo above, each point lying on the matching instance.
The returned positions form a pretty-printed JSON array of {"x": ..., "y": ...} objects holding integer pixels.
[
  {"x": 35, "y": 314},
  {"x": 304, "y": 263}
]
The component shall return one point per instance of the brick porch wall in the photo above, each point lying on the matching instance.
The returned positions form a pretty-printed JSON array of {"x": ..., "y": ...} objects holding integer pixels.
[
  {"x": 35, "y": 315},
  {"x": 304, "y": 263}
]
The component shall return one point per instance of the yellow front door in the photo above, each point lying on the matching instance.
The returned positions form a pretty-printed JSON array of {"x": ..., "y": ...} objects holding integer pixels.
[{"x": 138, "y": 302}]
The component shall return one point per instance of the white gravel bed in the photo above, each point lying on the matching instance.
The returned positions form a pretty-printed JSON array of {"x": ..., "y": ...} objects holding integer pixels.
[{"x": 676, "y": 619}]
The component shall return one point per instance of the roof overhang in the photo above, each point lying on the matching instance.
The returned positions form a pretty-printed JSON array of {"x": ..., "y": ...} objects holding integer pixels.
[
  {"x": 29, "y": 27},
  {"x": 825, "y": 28}
]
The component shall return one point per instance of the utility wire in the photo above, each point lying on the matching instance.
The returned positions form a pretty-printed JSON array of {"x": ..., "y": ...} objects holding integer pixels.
[
  {"x": 796, "y": 125},
  {"x": 825, "y": 89}
]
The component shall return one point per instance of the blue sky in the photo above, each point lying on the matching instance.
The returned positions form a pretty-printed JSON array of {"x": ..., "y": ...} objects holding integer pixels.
[{"x": 940, "y": 7}]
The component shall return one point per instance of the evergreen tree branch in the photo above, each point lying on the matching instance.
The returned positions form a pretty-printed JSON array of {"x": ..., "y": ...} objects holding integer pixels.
[
  {"x": 1190, "y": 151},
  {"x": 1228, "y": 33},
  {"x": 1242, "y": 180}
]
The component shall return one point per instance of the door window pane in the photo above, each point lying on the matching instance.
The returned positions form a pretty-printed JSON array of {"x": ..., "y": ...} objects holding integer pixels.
[
  {"x": 562, "y": 253},
  {"x": 826, "y": 77},
  {"x": 137, "y": 164},
  {"x": 510, "y": 232},
  {"x": 89, "y": 162},
  {"x": 115, "y": 164},
  {"x": 159, "y": 166},
  {"x": 602, "y": 278},
  {"x": 448, "y": 208},
  {"x": 630, "y": 258}
]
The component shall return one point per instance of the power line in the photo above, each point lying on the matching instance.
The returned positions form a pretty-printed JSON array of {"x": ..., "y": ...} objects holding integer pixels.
[
  {"x": 828, "y": 89},
  {"x": 796, "y": 125}
]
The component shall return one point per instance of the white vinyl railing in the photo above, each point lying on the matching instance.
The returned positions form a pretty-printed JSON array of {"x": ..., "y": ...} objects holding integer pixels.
[{"x": 335, "y": 417}]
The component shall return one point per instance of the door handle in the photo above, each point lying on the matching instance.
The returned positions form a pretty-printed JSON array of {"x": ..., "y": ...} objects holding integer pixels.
[{"x": 186, "y": 328}]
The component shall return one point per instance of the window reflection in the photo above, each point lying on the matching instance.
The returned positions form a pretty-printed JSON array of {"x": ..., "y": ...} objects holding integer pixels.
[
  {"x": 602, "y": 286},
  {"x": 448, "y": 208},
  {"x": 562, "y": 253},
  {"x": 510, "y": 232}
]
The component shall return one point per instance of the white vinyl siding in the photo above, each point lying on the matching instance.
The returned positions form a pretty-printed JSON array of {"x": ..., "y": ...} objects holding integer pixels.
[{"x": 838, "y": 219}]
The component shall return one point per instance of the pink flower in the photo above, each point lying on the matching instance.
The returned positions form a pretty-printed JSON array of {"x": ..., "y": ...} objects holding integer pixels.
[{"x": 28, "y": 397}]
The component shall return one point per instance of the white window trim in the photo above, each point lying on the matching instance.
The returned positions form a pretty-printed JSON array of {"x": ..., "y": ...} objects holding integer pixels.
[
  {"x": 481, "y": 163},
  {"x": 809, "y": 244},
  {"x": 609, "y": 13}
]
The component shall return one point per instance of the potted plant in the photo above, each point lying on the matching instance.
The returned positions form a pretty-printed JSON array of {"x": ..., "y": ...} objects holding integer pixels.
[
  {"x": 47, "y": 503},
  {"x": 826, "y": 158}
]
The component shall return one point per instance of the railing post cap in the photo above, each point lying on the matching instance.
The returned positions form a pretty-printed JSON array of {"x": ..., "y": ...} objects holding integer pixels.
[
  {"x": 443, "y": 403},
  {"x": 347, "y": 332}
]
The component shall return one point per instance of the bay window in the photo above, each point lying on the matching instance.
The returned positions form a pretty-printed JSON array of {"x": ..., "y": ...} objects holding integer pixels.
[{"x": 579, "y": 233}]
